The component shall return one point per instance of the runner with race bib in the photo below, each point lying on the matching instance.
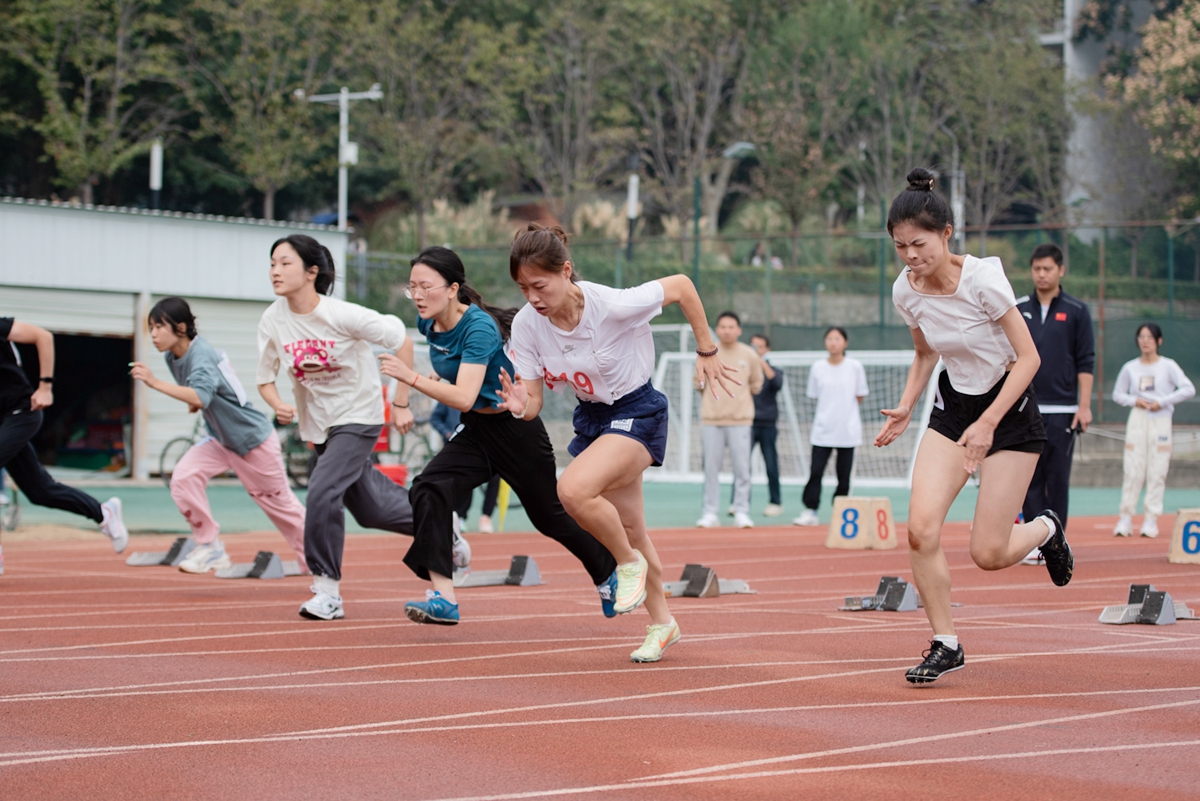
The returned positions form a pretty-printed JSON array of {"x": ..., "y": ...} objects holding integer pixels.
[{"x": 597, "y": 340}]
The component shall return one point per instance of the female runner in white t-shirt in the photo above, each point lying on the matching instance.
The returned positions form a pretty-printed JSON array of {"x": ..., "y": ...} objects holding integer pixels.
[
  {"x": 597, "y": 340},
  {"x": 962, "y": 309},
  {"x": 325, "y": 344}
]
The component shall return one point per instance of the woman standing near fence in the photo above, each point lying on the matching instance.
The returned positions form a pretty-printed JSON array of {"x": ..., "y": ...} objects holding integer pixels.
[
  {"x": 839, "y": 385},
  {"x": 962, "y": 309},
  {"x": 597, "y": 340},
  {"x": 1153, "y": 385},
  {"x": 240, "y": 438},
  {"x": 326, "y": 346},
  {"x": 466, "y": 347}
]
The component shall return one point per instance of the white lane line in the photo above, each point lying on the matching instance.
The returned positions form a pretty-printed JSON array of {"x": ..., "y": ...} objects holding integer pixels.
[
  {"x": 684, "y": 777},
  {"x": 903, "y": 763},
  {"x": 845, "y": 627}
]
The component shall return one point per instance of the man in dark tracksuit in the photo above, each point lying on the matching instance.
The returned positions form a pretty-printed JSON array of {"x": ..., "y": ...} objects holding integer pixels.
[{"x": 1061, "y": 327}]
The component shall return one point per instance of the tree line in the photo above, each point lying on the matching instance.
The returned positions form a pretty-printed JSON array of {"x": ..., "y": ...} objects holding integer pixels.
[{"x": 551, "y": 101}]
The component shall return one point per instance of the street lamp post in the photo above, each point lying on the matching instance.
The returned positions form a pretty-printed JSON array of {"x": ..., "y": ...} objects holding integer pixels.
[
  {"x": 347, "y": 150},
  {"x": 631, "y": 205}
]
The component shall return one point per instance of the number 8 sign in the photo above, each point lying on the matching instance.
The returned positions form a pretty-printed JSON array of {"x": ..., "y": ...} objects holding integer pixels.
[
  {"x": 1185, "y": 539},
  {"x": 861, "y": 523}
]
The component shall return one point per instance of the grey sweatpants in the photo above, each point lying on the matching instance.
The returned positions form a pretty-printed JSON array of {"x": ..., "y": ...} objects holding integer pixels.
[
  {"x": 345, "y": 478},
  {"x": 715, "y": 439}
]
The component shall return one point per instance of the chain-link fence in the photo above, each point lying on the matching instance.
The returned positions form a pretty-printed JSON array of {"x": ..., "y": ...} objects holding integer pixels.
[{"x": 793, "y": 287}]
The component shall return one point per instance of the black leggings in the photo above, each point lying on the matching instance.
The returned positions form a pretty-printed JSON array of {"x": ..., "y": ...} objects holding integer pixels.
[
  {"x": 19, "y": 459},
  {"x": 820, "y": 458},
  {"x": 519, "y": 452}
]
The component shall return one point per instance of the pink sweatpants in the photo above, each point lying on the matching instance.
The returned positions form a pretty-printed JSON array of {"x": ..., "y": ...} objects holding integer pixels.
[{"x": 261, "y": 473}]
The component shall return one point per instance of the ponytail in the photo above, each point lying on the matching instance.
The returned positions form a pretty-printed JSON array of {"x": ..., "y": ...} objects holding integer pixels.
[
  {"x": 314, "y": 256},
  {"x": 448, "y": 265}
]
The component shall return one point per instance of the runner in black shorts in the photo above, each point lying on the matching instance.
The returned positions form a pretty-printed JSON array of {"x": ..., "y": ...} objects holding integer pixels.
[{"x": 962, "y": 309}]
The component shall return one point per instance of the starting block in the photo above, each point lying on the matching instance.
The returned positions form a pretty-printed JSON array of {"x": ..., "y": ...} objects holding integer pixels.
[
  {"x": 892, "y": 595},
  {"x": 698, "y": 581},
  {"x": 1185, "y": 538},
  {"x": 522, "y": 572},
  {"x": 170, "y": 557},
  {"x": 861, "y": 523},
  {"x": 1148, "y": 606},
  {"x": 266, "y": 565}
]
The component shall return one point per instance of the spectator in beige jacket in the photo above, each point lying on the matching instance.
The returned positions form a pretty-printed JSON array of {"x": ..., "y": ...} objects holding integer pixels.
[{"x": 727, "y": 421}]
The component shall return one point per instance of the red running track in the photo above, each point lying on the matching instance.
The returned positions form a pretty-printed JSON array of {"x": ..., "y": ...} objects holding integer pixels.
[{"x": 137, "y": 683}]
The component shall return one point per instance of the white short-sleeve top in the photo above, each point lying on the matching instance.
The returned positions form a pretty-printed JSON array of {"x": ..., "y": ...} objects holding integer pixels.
[
  {"x": 327, "y": 353},
  {"x": 604, "y": 358},
  {"x": 964, "y": 327}
]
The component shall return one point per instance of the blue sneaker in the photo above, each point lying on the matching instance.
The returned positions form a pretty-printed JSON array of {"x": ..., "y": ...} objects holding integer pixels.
[
  {"x": 434, "y": 609},
  {"x": 608, "y": 595}
]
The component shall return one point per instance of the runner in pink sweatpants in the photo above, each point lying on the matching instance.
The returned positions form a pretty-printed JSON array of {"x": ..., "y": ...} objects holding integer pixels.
[
  {"x": 261, "y": 473},
  {"x": 240, "y": 438}
]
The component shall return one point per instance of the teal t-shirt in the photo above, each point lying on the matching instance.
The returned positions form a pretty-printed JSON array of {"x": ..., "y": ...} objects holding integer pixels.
[{"x": 474, "y": 340}]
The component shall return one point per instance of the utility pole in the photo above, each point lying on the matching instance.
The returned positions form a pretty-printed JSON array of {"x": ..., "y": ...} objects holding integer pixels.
[
  {"x": 156, "y": 156},
  {"x": 347, "y": 150},
  {"x": 631, "y": 205},
  {"x": 957, "y": 194}
]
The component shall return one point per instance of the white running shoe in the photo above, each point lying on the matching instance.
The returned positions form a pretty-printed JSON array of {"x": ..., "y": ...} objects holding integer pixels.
[
  {"x": 807, "y": 518},
  {"x": 1150, "y": 527},
  {"x": 1034, "y": 557},
  {"x": 743, "y": 521},
  {"x": 730, "y": 511},
  {"x": 708, "y": 521},
  {"x": 113, "y": 526},
  {"x": 322, "y": 606},
  {"x": 462, "y": 550},
  {"x": 204, "y": 558},
  {"x": 1124, "y": 527},
  {"x": 485, "y": 524},
  {"x": 658, "y": 639},
  {"x": 773, "y": 510}
]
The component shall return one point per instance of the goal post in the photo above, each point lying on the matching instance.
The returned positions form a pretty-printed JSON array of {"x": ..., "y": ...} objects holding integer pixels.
[{"x": 887, "y": 372}]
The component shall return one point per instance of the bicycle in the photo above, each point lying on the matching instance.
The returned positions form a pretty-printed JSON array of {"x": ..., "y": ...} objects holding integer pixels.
[
  {"x": 174, "y": 450},
  {"x": 298, "y": 455},
  {"x": 415, "y": 447}
]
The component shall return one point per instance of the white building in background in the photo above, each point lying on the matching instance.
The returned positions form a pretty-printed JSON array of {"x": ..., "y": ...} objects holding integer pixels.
[{"x": 91, "y": 275}]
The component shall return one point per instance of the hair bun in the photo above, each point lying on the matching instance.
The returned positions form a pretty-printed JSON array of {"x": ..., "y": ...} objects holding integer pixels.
[
  {"x": 921, "y": 180},
  {"x": 556, "y": 230}
]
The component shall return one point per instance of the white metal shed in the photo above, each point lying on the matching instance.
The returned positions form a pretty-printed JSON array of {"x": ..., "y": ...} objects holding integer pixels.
[{"x": 97, "y": 271}]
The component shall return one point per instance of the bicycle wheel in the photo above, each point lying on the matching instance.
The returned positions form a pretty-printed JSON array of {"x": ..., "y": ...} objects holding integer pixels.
[
  {"x": 415, "y": 453},
  {"x": 172, "y": 452}
]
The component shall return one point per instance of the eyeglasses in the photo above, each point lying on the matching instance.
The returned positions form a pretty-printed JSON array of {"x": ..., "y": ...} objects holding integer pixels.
[{"x": 412, "y": 292}]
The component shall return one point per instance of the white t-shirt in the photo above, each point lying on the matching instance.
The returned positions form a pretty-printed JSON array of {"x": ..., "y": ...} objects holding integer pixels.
[
  {"x": 1162, "y": 381},
  {"x": 327, "y": 353},
  {"x": 607, "y": 356},
  {"x": 963, "y": 327},
  {"x": 837, "y": 388}
]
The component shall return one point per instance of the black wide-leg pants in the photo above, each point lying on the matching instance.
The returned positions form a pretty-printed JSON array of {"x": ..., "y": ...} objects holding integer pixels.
[{"x": 518, "y": 451}]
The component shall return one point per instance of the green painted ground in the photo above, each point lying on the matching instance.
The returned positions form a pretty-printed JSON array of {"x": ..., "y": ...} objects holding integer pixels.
[{"x": 150, "y": 509}]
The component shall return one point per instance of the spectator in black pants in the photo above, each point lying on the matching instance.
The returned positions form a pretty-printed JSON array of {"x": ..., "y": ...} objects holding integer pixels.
[
  {"x": 1061, "y": 327},
  {"x": 445, "y": 421},
  {"x": 21, "y": 417},
  {"x": 764, "y": 432}
]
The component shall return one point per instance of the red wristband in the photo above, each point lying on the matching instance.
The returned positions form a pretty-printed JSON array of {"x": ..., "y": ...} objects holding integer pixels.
[{"x": 416, "y": 378}]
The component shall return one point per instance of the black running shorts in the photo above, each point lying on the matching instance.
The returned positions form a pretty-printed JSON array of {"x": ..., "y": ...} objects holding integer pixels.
[{"x": 1020, "y": 429}]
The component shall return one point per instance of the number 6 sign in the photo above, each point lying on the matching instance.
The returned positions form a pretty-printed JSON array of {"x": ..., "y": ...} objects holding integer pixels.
[
  {"x": 1185, "y": 540},
  {"x": 861, "y": 523}
]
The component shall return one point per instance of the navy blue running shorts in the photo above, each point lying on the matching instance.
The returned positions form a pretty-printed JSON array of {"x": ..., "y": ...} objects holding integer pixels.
[{"x": 640, "y": 415}]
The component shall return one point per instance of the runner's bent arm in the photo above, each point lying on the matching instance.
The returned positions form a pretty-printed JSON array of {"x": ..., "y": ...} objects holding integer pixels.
[
  {"x": 26, "y": 334},
  {"x": 711, "y": 370},
  {"x": 141, "y": 372}
]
